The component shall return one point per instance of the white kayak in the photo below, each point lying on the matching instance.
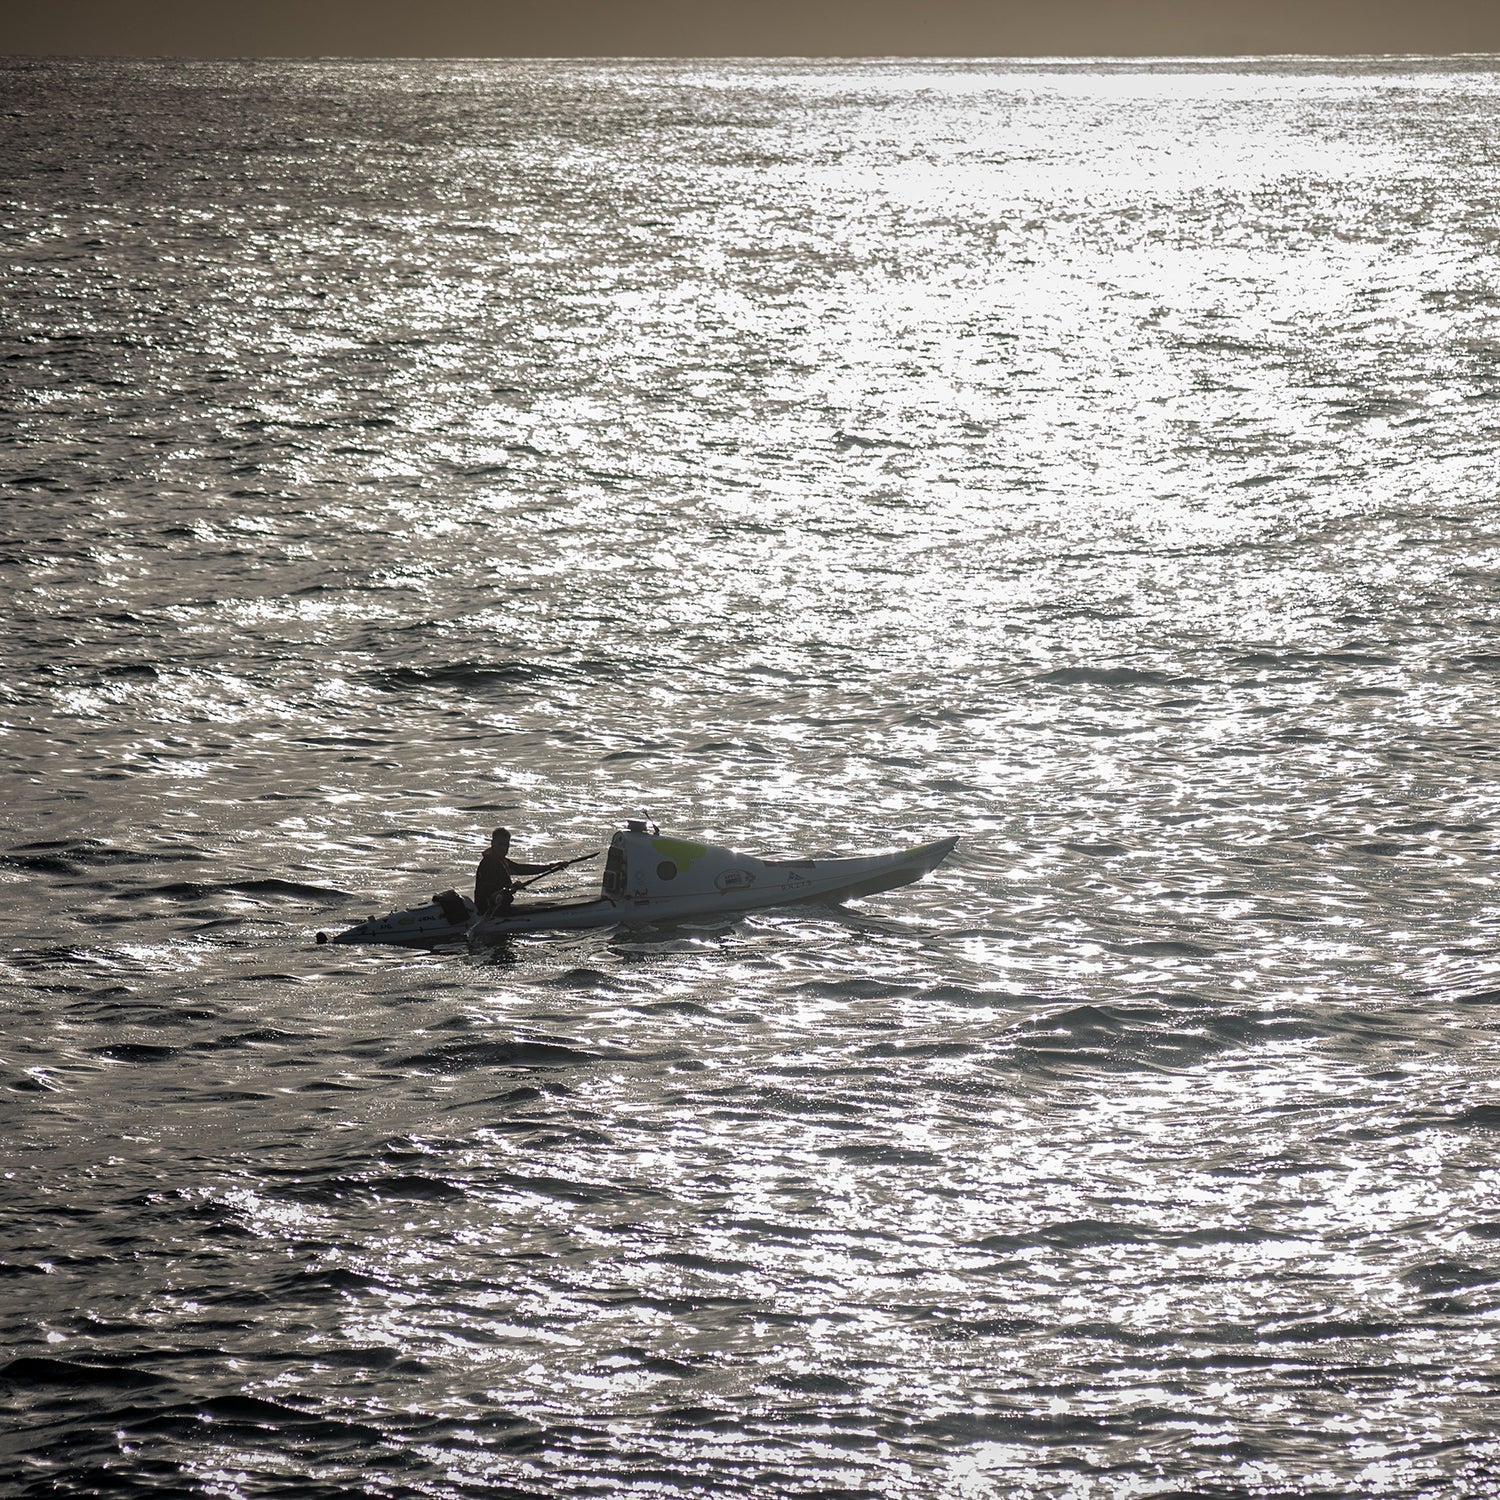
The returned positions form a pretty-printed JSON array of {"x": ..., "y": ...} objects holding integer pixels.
[{"x": 650, "y": 879}]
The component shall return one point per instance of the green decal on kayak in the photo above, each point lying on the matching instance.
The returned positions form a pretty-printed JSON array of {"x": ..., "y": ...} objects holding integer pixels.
[{"x": 679, "y": 851}]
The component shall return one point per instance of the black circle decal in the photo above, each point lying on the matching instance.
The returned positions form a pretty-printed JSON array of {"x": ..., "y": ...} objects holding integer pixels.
[{"x": 666, "y": 870}]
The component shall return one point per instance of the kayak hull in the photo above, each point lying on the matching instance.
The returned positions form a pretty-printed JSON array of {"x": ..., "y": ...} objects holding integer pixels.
[{"x": 651, "y": 880}]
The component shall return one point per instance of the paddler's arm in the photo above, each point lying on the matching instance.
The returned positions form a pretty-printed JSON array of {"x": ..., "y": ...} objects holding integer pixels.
[{"x": 517, "y": 868}]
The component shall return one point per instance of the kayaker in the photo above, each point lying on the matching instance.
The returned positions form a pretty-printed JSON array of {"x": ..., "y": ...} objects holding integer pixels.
[{"x": 495, "y": 879}]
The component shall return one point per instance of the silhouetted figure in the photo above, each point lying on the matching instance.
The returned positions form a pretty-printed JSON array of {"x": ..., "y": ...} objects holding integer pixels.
[{"x": 495, "y": 879}]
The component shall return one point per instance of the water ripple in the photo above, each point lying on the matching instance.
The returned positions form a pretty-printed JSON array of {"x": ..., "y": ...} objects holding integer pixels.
[{"x": 1091, "y": 460}]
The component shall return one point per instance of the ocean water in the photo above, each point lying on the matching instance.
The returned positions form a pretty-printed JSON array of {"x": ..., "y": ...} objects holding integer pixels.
[{"x": 1095, "y": 461}]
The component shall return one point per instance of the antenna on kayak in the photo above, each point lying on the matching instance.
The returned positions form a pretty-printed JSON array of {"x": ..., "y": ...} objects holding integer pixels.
[{"x": 650, "y": 824}]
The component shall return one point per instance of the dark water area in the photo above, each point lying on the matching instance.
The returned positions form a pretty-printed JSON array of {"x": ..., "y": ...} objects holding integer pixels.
[{"x": 1094, "y": 461}]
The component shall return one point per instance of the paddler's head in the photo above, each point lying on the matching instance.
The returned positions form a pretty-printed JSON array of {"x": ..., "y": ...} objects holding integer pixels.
[{"x": 500, "y": 840}]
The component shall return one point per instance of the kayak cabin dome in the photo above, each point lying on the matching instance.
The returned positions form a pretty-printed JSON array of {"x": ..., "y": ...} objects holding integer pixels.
[{"x": 642, "y": 867}]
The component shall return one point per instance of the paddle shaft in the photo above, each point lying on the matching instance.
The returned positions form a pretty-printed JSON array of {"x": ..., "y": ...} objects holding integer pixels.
[{"x": 521, "y": 885}]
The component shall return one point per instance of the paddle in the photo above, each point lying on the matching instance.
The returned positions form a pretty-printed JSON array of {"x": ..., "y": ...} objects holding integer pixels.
[{"x": 521, "y": 885}]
